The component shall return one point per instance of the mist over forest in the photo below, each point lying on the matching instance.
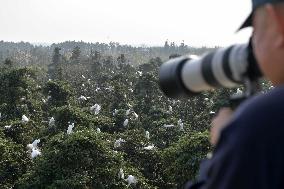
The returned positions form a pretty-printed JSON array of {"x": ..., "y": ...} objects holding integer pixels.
[{"x": 91, "y": 115}]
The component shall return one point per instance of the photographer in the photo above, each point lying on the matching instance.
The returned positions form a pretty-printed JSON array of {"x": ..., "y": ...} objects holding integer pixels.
[{"x": 249, "y": 143}]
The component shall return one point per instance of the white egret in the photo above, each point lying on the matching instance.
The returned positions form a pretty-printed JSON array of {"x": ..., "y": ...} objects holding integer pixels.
[
  {"x": 127, "y": 112},
  {"x": 115, "y": 112},
  {"x": 7, "y": 126},
  {"x": 135, "y": 115},
  {"x": 150, "y": 147},
  {"x": 121, "y": 173},
  {"x": 82, "y": 98},
  {"x": 168, "y": 126},
  {"x": 131, "y": 180},
  {"x": 118, "y": 142},
  {"x": 147, "y": 134},
  {"x": 25, "y": 119},
  {"x": 70, "y": 127},
  {"x": 51, "y": 122},
  {"x": 125, "y": 123},
  {"x": 180, "y": 124},
  {"x": 35, "y": 153},
  {"x": 95, "y": 109},
  {"x": 170, "y": 109}
]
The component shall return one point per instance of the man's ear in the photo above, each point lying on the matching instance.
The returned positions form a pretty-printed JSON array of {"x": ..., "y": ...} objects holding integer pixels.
[{"x": 276, "y": 19}]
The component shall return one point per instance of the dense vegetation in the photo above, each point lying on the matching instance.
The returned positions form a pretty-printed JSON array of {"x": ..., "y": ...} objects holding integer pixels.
[{"x": 100, "y": 118}]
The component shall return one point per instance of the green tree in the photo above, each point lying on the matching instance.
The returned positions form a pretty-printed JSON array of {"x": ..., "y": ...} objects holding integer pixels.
[
  {"x": 181, "y": 160},
  {"x": 14, "y": 162},
  {"x": 56, "y": 55},
  {"x": 75, "y": 56},
  {"x": 79, "y": 160},
  {"x": 8, "y": 62}
]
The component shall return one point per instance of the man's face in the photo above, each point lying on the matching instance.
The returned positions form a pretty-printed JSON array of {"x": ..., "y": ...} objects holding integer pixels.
[
  {"x": 265, "y": 39},
  {"x": 261, "y": 40}
]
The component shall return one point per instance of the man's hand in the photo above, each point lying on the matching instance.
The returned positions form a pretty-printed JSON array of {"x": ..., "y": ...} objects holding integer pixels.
[{"x": 218, "y": 123}]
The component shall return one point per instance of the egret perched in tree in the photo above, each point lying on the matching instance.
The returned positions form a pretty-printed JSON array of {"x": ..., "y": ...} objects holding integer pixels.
[
  {"x": 25, "y": 119},
  {"x": 98, "y": 130},
  {"x": 48, "y": 98},
  {"x": 131, "y": 180},
  {"x": 127, "y": 112},
  {"x": 180, "y": 124},
  {"x": 139, "y": 73},
  {"x": 170, "y": 109},
  {"x": 83, "y": 77},
  {"x": 35, "y": 153},
  {"x": 168, "y": 126},
  {"x": 147, "y": 134},
  {"x": 82, "y": 98},
  {"x": 125, "y": 123},
  {"x": 70, "y": 127},
  {"x": 95, "y": 109},
  {"x": 0, "y": 115},
  {"x": 8, "y": 126},
  {"x": 135, "y": 115},
  {"x": 121, "y": 173},
  {"x": 30, "y": 146},
  {"x": 51, "y": 122},
  {"x": 33, "y": 144},
  {"x": 115, "y": 112},
  {"x": 118, "y": 142},
  {"x": 150, "y": 147}
]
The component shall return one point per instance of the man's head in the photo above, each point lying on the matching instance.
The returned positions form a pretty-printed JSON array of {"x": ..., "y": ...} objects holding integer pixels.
[{"x": 268, "y": 38}]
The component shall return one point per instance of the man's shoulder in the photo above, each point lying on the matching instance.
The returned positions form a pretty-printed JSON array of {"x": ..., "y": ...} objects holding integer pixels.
[
  {"x": 250, "y": 148},
  {"x": 270, "y": 103},
  {"x": 260, "y": 115}
]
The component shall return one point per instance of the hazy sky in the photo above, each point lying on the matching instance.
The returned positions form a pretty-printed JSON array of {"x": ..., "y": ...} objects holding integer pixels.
[{"x": 150, "y": 22}]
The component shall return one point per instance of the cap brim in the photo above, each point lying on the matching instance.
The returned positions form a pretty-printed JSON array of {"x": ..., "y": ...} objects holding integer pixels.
[{"x": 247, "y": 22}]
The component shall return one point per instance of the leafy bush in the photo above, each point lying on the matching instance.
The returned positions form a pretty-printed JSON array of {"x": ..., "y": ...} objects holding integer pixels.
[
  {"x": 13, "y": 162},
  {"x": 82, "y": 159},
  {"x": 181, "y": 160},
  {"x": 60, "y": 93}
]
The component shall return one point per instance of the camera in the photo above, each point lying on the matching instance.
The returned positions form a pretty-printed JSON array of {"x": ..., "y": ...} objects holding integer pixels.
[{"x": 229, "y": 67}]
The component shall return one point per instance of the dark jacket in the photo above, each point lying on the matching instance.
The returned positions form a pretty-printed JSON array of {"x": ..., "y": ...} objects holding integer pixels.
[{"x": 250, "y": 152}]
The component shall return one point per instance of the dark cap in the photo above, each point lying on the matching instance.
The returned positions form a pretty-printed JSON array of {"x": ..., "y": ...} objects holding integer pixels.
[{"x": 255, "y": 5}]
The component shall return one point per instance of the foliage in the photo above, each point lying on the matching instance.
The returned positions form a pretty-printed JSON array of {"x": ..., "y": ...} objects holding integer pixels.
[
  {"x": 123, "y": 82},
  {"x": 179, "y": 163},
  {"x": 59, "y": 93},
  {"x": 80, "y": 160},
  {"x": 13, "y": 162}
]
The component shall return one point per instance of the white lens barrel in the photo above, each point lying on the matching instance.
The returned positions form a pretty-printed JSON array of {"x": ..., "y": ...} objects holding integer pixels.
[
  {"x": 227, "y": 67},
  {"x": 191, "y": 75},
  {"x": 238, "y": 61},
  {"x": 224, "y": 68}
]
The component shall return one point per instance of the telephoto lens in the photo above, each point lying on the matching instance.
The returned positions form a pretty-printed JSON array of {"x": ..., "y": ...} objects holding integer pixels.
[{"x": 227, "y": 67}]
